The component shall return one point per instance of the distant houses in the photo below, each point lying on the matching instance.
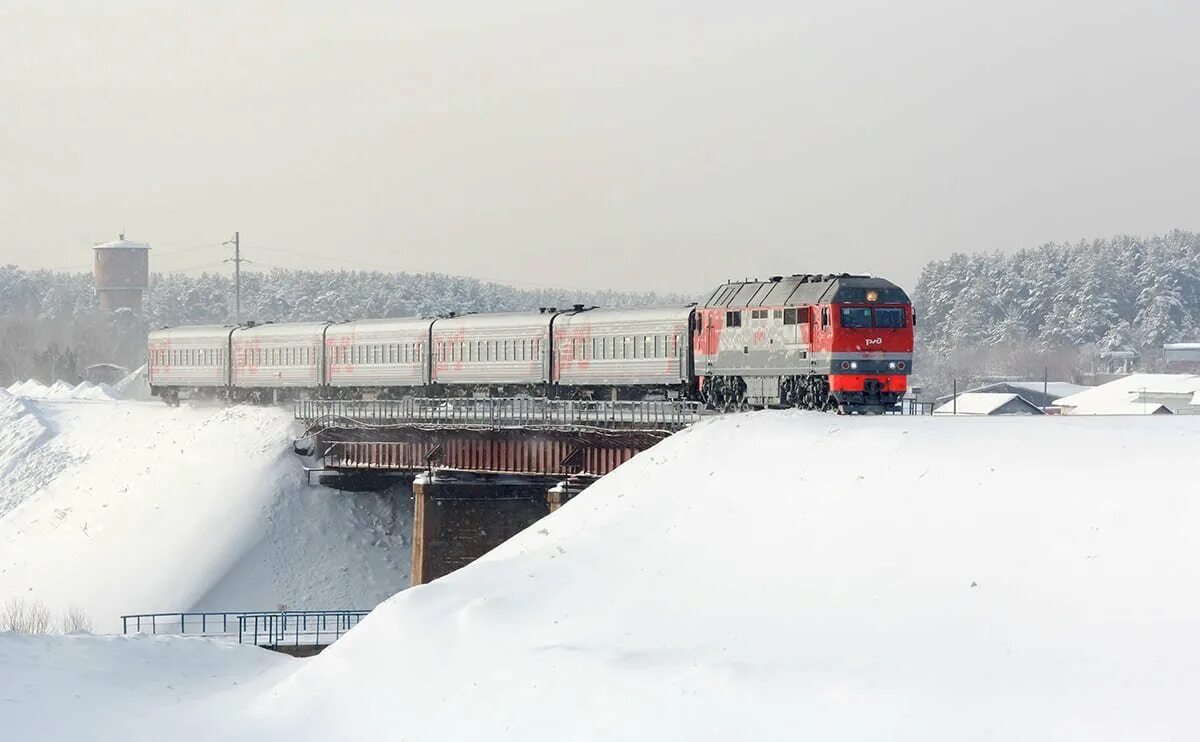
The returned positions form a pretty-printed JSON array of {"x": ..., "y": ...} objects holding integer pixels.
[
  {"x": 1138, "y": 394},
  {"x": 987, "y": 404},
  {"x": 1040, "y": 394},
  {"x": 1182, "y": 357},
  {"x": 1135, "y": 394}
]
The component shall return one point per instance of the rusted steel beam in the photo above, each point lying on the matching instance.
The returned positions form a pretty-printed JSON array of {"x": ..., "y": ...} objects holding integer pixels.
[{"x": 500, "y": 452}]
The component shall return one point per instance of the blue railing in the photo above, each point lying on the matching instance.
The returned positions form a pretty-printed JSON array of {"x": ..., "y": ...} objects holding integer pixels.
[
  {"x": 263, "y": 628},
  {"x": 296, "y": 628}
]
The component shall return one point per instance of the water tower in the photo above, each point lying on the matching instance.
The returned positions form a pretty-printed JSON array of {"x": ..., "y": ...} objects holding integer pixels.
[{"x": 122, "y": 273}]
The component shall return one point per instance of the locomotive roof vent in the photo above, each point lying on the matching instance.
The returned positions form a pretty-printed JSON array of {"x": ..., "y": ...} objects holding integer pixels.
[
  {"x": 776, "y": 279},
  {"x": 578, "y": 307},
  {"x": 552, "y": 310},
  {"x": 251, "y": 323}
]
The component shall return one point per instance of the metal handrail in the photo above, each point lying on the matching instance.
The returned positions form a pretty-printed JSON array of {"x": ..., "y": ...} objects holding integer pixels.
[
  {"x": 498, "y": 412},
  {"x": 296, "y": 629},
  {"x": 249, "y": 626}
]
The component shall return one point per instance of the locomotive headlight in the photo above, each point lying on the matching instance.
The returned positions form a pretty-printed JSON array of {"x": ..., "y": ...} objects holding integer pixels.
[
  {"x": 892, "y": 365},
  {"x": 853, "y": 364}
]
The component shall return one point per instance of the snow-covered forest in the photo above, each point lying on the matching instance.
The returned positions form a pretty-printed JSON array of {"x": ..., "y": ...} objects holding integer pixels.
[
  {"x": 1055, "y": 306},
  {"x": 50, "y": 329},
  {"x": 995, "y": 314}
]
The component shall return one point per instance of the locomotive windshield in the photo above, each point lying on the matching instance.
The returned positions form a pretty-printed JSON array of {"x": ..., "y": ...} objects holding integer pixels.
[
  {"x": 866, "y": 317},
  {"x": 890, "y": 317},
  {"x": 856, "y": 317}
]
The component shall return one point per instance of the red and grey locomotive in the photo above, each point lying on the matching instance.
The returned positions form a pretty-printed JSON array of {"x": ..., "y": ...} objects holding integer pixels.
[
  {"x": 812, "y": 341},
  {"x": 819, "y": 342}
]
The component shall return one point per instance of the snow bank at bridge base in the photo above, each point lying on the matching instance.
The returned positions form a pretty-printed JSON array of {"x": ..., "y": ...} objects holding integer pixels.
[
  {"x": 83, "y": 687},
  {"x": 129, "y": 507},
  {"x": 782, "y": 576}
]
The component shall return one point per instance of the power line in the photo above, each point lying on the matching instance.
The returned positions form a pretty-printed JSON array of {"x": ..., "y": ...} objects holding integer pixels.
[
  {"x": 180, "y": 251},
  {"x": 210, "y": 264},
  {"x": 395, "y": 269},
  {"x": 237, "y": 276}
]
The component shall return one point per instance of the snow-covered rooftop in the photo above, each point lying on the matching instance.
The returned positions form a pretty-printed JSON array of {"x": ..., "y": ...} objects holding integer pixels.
[
  {"x": 1056, "y": 389},
  {"x": 122, "y": 245},
  {"x": 1133, "y": 391},
  {"x": 1033, "y": 390},
  {"x": 984, "y": 403},
  {"x": 1119, "y": 407}
]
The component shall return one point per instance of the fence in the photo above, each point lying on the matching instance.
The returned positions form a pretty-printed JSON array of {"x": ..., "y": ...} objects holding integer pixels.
[
  {"x": 505, "y": 412},
  {"x": 263, "y": 628},
  {"x": 306, "y": 628}
]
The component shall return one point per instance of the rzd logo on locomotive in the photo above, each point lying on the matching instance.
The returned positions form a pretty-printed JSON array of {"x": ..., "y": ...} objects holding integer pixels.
[{"x": 874, "y": 341}]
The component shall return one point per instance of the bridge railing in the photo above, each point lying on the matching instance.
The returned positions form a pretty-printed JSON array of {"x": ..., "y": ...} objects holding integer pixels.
[
  {"x": 264, "y": 628},
  {"x": 504, "y": 412},
  {"x": 306, "y": 628},
  {"x": 204, "y": 623}
]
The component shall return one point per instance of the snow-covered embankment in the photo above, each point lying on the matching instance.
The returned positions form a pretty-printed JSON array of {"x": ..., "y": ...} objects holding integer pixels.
[
  {"x": 127, "y": 507},
  {"x": 771, "y": 576}
]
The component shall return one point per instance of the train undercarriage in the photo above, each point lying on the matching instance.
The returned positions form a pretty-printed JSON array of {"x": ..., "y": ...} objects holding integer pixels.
[
  {"x": 729, "y": 393},
  {"x": 718, "y": 392}
]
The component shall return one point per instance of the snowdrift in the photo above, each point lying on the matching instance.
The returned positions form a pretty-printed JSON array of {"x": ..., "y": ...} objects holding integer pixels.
[
  {"x": 82, "y": 687},
  {"x": 21, "y": 431},
  {"x": 794, "y": 576},
  {"x": 61, "y": 390},
  {"x": 127, "y": 507},
  {"x": 779, "y": 576}
]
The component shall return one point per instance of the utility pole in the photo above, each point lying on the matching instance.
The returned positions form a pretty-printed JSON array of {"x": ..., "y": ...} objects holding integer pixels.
[{"x": 237, "y": 276}]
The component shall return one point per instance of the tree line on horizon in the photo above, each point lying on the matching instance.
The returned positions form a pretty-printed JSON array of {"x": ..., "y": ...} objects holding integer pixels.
[
  {"x": 51, "y": 327},
  {"x": 981, "y": 315},
  {"x": 1057, "y": 307}
]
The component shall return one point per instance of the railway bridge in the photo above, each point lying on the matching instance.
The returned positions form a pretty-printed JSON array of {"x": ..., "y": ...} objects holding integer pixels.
[{"x": 481, "y": 469}]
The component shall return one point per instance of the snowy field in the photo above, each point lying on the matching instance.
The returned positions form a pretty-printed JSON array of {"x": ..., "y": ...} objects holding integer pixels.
[
  {"x": 769, "y": 576},
  {"x": 132, "y": 507}
]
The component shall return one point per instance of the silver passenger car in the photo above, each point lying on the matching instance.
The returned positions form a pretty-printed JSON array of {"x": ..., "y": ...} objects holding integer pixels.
[
  {"x": 189, "y": 357},
  {"x": 271, "y": 356},
  {"x": 511, "y": 349},
  {"x": 623, "y": 347},
  {"x": 378, "y": 353}
]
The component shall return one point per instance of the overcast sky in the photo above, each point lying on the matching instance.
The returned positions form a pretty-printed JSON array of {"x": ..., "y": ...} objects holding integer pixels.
[{"x": 622, "y": 143}]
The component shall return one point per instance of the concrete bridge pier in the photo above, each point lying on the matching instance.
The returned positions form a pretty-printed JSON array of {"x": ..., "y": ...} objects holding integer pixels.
[{"x": 457, "y": 519}]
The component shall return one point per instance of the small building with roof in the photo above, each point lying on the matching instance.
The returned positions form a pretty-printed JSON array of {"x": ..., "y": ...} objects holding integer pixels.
[
  {"x": 1137, "y": 394},
  {"x": 1038, "y": 393},
  {"x": 988, "y": 404},
  {"x": 1182, "y": 357}
]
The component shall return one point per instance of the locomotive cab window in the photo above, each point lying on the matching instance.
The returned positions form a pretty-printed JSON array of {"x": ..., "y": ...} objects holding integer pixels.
[
  {"x": 889, "y": 317},
  {"x": 733, "y": 319},
  {"x": 856, "y": 317}
]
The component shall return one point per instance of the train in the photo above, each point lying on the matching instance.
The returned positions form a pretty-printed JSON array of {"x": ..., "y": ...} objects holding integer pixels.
[{"x": 816, "y": 341}]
